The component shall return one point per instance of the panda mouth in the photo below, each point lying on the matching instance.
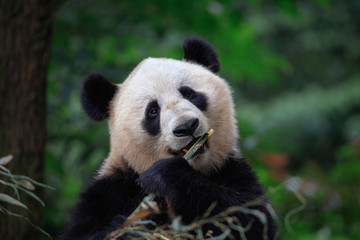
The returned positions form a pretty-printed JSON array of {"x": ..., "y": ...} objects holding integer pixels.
[{"x": 181, "y": 152}]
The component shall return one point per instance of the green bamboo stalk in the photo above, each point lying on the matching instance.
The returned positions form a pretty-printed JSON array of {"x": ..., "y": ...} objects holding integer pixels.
[{"x": 198, "y": 144}]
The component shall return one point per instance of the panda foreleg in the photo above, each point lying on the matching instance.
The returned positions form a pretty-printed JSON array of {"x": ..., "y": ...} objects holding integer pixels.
[{"x": 190, "y": 194}]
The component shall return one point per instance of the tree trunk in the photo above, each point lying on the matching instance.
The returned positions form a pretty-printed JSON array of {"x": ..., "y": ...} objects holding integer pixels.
[{"x": 25, "y": 40}]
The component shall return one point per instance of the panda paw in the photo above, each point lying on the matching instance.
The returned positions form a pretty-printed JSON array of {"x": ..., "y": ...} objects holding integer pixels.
[{"x": 164, "y": 177}]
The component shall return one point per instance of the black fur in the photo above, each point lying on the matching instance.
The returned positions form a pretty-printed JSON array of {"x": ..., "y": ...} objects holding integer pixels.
[
  {"x": 103, "y": 207},
  {"x": 196, "y": 98},
  {"x": 199, "y": 51},
  {"x": 96, "y": 94},
  {"x": 107, "y": 202},
  {"x": 151, "y": 121}
]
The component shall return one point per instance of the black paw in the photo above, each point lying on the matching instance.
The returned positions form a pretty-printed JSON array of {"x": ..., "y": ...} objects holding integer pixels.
[{"x": 163, "y": 177}]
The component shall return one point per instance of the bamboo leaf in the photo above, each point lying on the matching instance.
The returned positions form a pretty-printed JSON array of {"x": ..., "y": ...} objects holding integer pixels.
[
  {"x": 6, "y": 159},
  {"x": 176, "y": 224},
  {"x": 32, "y": 195},
  {"x": 221, "y": 236},
  {"x": 26, "y": 184},
  {"x": 4, "y": 210},
  {"x": 8, "y": 199},
  {"x": 13, "y": 186},
  {"x": 7, "y": 174},
  {"x": 199, "y": 234},
  {"x": 161, "y": 236},
  {"x": 145, "y": 222},
  {"x": 34, "y": 182}
]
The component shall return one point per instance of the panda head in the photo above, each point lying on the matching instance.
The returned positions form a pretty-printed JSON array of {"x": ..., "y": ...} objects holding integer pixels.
[{"x": 163, "y": 107}]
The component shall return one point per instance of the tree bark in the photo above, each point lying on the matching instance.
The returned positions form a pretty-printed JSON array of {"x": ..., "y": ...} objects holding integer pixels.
[{"x": 25, "y": 41}]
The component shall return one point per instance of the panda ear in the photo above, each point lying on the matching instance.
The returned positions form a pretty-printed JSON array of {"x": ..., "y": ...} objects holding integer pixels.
[
  {"x": 199, "y": 51},
  {"x": 96, "y": 94}
]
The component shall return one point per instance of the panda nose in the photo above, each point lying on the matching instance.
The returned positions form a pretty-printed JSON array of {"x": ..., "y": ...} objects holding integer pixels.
[{"x": 186, "y": 129}]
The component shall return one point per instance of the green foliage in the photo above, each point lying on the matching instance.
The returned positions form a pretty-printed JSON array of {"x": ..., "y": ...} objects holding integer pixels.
[
  {"x": 19, "y": 184},
  {"x": 310, "y": 114},
  {"x": 294, "y": 70}
]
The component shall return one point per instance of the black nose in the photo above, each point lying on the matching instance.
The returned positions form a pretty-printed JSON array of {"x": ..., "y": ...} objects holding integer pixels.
[{"x": 186, "y": 129}]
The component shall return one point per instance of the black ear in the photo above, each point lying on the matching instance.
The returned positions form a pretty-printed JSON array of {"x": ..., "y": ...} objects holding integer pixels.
[
  {"x": 199, "y": 51},
  {"x": 96, "y": 94}
]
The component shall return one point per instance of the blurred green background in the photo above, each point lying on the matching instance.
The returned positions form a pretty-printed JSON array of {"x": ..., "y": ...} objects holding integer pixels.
[{"x": 294, "y": 69}]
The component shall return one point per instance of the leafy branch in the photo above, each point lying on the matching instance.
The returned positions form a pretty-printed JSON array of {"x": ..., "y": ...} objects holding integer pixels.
[
  {"x": 19, "y": 184},
  {"x": 225, "y": 221}
]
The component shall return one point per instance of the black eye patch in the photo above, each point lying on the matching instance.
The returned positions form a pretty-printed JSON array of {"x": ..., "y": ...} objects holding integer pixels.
[
  {"x": 151, "y": 122},
  {"x": 196, "y": 98}
]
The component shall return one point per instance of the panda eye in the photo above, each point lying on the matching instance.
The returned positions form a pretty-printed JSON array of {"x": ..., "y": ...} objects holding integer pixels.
[
  {"x": 153, "y": 112},
  {"x": 151, "y": 121}
]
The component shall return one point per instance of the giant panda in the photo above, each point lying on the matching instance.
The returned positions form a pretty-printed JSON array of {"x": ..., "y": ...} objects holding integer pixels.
[{"x": 163, "y": 107}]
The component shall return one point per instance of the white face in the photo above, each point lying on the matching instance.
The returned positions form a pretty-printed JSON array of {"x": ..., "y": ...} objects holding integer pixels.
[{"x": 162, "y": 96}]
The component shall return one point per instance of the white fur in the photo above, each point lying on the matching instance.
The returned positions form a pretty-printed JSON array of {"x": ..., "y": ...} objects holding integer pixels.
[{"x": 161, "y": 79}]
